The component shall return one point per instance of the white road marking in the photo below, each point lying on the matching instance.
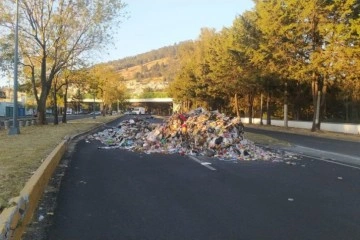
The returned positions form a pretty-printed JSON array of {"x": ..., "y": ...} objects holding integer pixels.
[
  {"x": 331, "y": 161},
  {"x": 205, "y": 164},
  {"x": 326, "y": 156}
]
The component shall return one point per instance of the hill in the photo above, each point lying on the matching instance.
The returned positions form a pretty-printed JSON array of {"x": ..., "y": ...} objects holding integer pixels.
[{"x": 150, "y": 72}]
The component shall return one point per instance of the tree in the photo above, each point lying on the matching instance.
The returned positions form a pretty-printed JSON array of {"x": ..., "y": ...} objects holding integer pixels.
[
  {"x": 57, "y": 85},
  {"x": 252, "y": 79},
  {"x": 108, "y": 85},
  {"x": 182, "y": 89},
  {"x": 278, "y": 48},
  {"x": 304, "y": 40},
  {"x": 224, "y": 71},
  {"x": 6, "y": 53},
  {"x": 71, "y": 78},
  {"x": 55, "y": 34}
]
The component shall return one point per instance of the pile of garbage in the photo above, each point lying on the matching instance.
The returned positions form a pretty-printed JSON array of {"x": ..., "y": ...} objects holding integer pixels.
[{"x": 198, "y": 132}]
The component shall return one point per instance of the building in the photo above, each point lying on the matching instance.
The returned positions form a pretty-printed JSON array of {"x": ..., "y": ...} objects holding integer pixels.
[{"x": 7, "y": 103}]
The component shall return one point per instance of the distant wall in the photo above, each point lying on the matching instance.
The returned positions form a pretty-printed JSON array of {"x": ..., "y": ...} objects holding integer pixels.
[
  {"x": 3, "y": 106},
  {"x": 331, "y": 127}
]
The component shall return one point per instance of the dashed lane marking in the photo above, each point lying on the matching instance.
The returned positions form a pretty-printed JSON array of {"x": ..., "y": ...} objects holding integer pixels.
[{"x": 205, "y": 164}]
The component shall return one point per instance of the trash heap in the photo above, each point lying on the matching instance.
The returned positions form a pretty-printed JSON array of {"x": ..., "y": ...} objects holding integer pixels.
[{"x": 199, "y": 132}]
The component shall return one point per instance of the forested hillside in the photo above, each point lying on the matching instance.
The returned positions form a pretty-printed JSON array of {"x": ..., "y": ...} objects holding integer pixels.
[
  {"x": 285, "y": 60},
  {"x": 289, "y": 59},
  {"x": 149, "y": 74}
]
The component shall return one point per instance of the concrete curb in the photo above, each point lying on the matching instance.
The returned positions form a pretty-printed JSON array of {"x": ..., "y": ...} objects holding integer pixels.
[{"x": 14, "y": 219}]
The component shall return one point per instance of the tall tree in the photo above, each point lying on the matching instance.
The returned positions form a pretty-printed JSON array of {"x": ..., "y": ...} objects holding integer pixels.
[
  {"x": 204, "y": 91},
  {"x": 278, "y": 47},
  {"x": 301, "y": 40},
  {"x": 56, "y": 33},
  {"x": 182, "y": 89},
  {"x": 254, "y": 78},
  {"x": 224, "y": 73}
]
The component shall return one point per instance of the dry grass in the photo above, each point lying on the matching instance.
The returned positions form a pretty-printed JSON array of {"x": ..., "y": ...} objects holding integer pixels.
[
  {"x": 22, "y": 154},
  {"x": 265, "y": 140},
  {"x": 129, "y": 73}
]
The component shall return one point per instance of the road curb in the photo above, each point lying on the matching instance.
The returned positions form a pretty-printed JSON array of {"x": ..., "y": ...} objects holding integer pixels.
[{"x": 14, "y": 219}]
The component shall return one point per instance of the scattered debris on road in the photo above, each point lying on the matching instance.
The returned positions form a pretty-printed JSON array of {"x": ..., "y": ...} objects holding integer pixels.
[{"x": 199, "y": 132}]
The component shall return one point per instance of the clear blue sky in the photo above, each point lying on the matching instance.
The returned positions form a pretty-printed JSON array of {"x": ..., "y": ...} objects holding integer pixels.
[
  {"x": 153, "y": 24},
  {"x": 158, "y": 23}
]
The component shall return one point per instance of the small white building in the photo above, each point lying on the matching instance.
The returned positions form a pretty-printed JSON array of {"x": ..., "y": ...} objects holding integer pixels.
[{"x": 6, "y": 109}]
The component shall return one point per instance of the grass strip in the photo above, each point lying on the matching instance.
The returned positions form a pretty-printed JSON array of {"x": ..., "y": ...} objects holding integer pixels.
[{"x": 21, "y": 155}]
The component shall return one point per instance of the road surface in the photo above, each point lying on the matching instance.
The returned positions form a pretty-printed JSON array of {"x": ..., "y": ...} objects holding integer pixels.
[
  {"x": 337, "y": 150},
  {"x": 118, "y": 194}
]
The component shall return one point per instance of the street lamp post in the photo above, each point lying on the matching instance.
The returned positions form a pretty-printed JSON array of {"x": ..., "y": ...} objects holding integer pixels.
[{"x": 14, "y": 130}]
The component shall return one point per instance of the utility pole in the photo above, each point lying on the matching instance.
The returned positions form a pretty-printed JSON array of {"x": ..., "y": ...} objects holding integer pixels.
[{"x": 14, "y": 130}]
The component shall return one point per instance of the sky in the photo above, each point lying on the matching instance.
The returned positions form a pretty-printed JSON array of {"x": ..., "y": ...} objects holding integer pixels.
[
  {"x": 152, "y": 24},
  {"x": 158, "y": 23}
]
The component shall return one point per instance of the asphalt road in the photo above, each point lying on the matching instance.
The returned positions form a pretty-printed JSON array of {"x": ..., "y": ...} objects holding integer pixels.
[
  {"x": 337, "y": 150},
  {"x": 118, "y": 194}
]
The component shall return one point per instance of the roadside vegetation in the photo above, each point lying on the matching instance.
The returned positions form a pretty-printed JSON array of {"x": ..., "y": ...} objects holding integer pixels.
[
  {"x": 22, "y": 154},
  {"x": 56, "y": 39},
  {"x": 289, "y": 59},
  {"x": 292, "y": 59}
]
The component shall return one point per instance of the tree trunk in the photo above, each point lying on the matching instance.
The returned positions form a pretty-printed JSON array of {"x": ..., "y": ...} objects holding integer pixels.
[
  {"x": 187, "y": 105},
  {"x": 45, "y": 89},
  {"x": 237, "y": 106},
  {"x": 41, "y": 108},
  {"x": 315, "y": 95},
  {"x": 250, "y": 105},
  {"x": 56, "y": 115},
  {"x": 346, "y": 110},
  {"x": 103, "y": 110},
  {"x": 268, "y": 109},
  {"x": 64, "y": 120},
  {"x": 322, "y": 106},
  {"x": 261, "y": 109},
  {"x": 318, "y": 106}
]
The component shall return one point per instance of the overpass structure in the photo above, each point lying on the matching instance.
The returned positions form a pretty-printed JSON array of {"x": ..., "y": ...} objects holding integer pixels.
[
  {"x": 132, "y": 100},
  {"x": 149, "y": 103},
  {"x": 158, "y": 104},
  {"x": 148, "y": 100}
]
